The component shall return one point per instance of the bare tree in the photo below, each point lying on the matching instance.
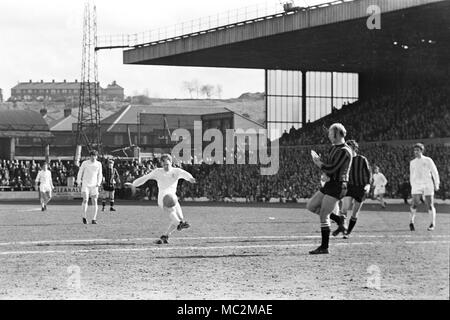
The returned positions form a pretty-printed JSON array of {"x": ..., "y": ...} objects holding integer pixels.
[
  {"x": 188, "y": 85},
  {"x": 207, "y": 90},
  {"x": 219, "y": 90}
]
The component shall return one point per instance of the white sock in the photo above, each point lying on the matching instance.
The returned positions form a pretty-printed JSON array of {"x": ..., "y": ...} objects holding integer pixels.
[
  {"x": 412, "y": 214},
  {"x": 432, "y": 213}
]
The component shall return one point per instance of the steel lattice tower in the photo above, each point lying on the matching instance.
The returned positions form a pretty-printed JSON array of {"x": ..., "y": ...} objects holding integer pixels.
[{"x": 88, "y": 128}]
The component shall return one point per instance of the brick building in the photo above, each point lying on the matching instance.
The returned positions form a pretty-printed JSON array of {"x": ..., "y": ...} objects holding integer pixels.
[{"x": 61, "y": 91}]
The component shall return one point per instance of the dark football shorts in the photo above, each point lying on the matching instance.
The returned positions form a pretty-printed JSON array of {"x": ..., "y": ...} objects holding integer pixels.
[
  {"x": 356, "y": 192},
  {"x": 335, "y": 189},
  {"x": 108, "y": 187}
]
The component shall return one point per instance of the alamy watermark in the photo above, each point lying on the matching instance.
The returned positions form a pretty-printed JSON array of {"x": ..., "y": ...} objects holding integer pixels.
[
  {"x": 74, "y": 280},
  {"x": 374, "y": 20},
  {"x": 374, "y": 278},
  {"x": 239, "y": 146}
]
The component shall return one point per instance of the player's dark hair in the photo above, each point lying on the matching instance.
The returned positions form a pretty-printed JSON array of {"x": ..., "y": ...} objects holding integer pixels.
[
  {"x": 93, "y": 153},
  {"x": 419, "y": 146},
  {"x": 353, "y": 144}
]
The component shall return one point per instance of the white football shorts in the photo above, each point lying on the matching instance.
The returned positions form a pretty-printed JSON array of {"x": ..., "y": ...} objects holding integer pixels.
[
  {"x": 423, "y": 189},
  {"x": 89, "y": 191},
  {"x": 379, "y": 190}
]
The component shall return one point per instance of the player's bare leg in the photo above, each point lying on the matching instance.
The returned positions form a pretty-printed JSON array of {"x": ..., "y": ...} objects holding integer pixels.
[
  {"x": 95, "y": 206},
  {"x": 315, "y": 202},
  {"x": 174, "y": 222},
  {"x": 47, "y": 197},
  {"x": 84, "y": 206},
  {"x": 328, "y": 205},
  {"x": 183, "y": 223},
  {"x": 42, "y": 200},
  {"x": 429, "y": 200},
  {"x": 413, "y": 210},
  {"x": 346, "y": 204},
  {"x": 381, "y": 200},
  {"x": 111, "y": 200},
  {"x": 351, "y": 224}
]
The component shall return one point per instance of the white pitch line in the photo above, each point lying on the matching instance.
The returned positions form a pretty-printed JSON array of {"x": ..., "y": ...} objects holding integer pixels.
[
  {"x": 298, "y": 245},
  {"x": 68, "y": 241}
]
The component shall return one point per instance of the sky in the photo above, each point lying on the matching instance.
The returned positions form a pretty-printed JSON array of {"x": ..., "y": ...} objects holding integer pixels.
[{"x": 42, "y": 40}]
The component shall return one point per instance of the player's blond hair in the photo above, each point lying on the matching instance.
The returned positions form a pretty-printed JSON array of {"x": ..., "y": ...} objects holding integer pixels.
[
  {"x": 166, "y": 156},
  {"x": 338, "y": 128}
]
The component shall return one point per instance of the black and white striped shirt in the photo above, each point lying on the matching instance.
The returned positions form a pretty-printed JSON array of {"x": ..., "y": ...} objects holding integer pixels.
[{"x": 360, "y": 174}]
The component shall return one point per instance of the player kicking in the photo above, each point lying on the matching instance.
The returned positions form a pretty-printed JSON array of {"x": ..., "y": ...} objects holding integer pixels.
[
  {"x": 358, "y": 189},
  {"x": 424, "y": 179},
  {"x": 111, "y": 179},
  {"x": 337, "y": 169},
  {"x": 167, "y": 178},
  {"x": 90, "y": 179},
  {"x": 379, "y": 183},
  {"x": 45, "y": 184}
]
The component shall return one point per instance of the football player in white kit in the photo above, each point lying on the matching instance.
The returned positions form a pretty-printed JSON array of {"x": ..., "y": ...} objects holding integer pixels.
[
  {"x": 424, "y": 179},
  {"x": 379, "y": 182},
  {"x": 90, "y": 178},
  {"x": 45, "y": 184},
  {"x": 167, "y": 178}
]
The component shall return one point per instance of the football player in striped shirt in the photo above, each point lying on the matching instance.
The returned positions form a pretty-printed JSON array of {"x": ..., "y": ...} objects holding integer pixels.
[
  {"x": 337, "y": 169},
  {"x": 110, "y": 180},
  {"x": 424, "y": 179},
  {"x": 358, "y": 189}
]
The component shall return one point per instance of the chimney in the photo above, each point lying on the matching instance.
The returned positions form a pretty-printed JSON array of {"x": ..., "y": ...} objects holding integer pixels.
[
  {"x": 67, "y": 112},
  {"x": 42, "y": 81},
  {"x": 76, "y": 80},
  {"x": 43, "y": 112},
  {"x": 31, "y": 81},
  {"x": 53, "y": 81},
  {"x": 64, "y": 80}
]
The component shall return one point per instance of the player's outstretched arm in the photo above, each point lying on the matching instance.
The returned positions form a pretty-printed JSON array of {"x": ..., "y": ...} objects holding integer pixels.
[
  {"x": 141, "y": 180},
  {"x": 183, "y": 174}
]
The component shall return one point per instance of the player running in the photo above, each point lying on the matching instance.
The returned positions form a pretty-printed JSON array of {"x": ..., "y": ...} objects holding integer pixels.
[
  {"x": 44, "y": 182},
  {"x": 90, "y": 178},
  {"x": 424, "y": 178},
  {"x": 337, "y": 169},
  {"x": 379, "y": 183},
  {"x": 167, "y": 178},
  {"x": 110, "y": 181},
  {"x": 358, "y": 189}
]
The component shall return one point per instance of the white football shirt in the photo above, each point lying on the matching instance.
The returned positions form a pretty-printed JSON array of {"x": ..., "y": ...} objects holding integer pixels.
[
  {"x": 379, "y": 180},
  {"x": 423, "y": 171},
  {"x": 44, "y": 178},
  {"x": 90, "y": 174}
]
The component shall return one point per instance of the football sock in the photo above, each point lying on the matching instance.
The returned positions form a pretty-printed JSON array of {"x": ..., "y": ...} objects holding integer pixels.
[
  {"x": 103, "y": 204},
  {"x": 335, "y": 218},
  {"x": 111, "y": 203},
  {"x": 325, "y": 230},
  {"x": 351, "y": 224},
  {"x": 171, "y": 229},
  {"x": 85, "y": 207},
  {"x": 412, "y": 214},
  {"x": 95, "y": 211},
  {"x": 432, "y": 213}
]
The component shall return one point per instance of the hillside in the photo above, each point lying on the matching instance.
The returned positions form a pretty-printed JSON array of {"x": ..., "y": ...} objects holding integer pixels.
[{"x": 249, "y": 104}]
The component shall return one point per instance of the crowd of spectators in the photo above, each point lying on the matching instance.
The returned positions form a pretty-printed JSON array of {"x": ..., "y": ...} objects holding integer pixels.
[
  {"x": 297, "y": 176},
  {"x": 417, "y": 112}
]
